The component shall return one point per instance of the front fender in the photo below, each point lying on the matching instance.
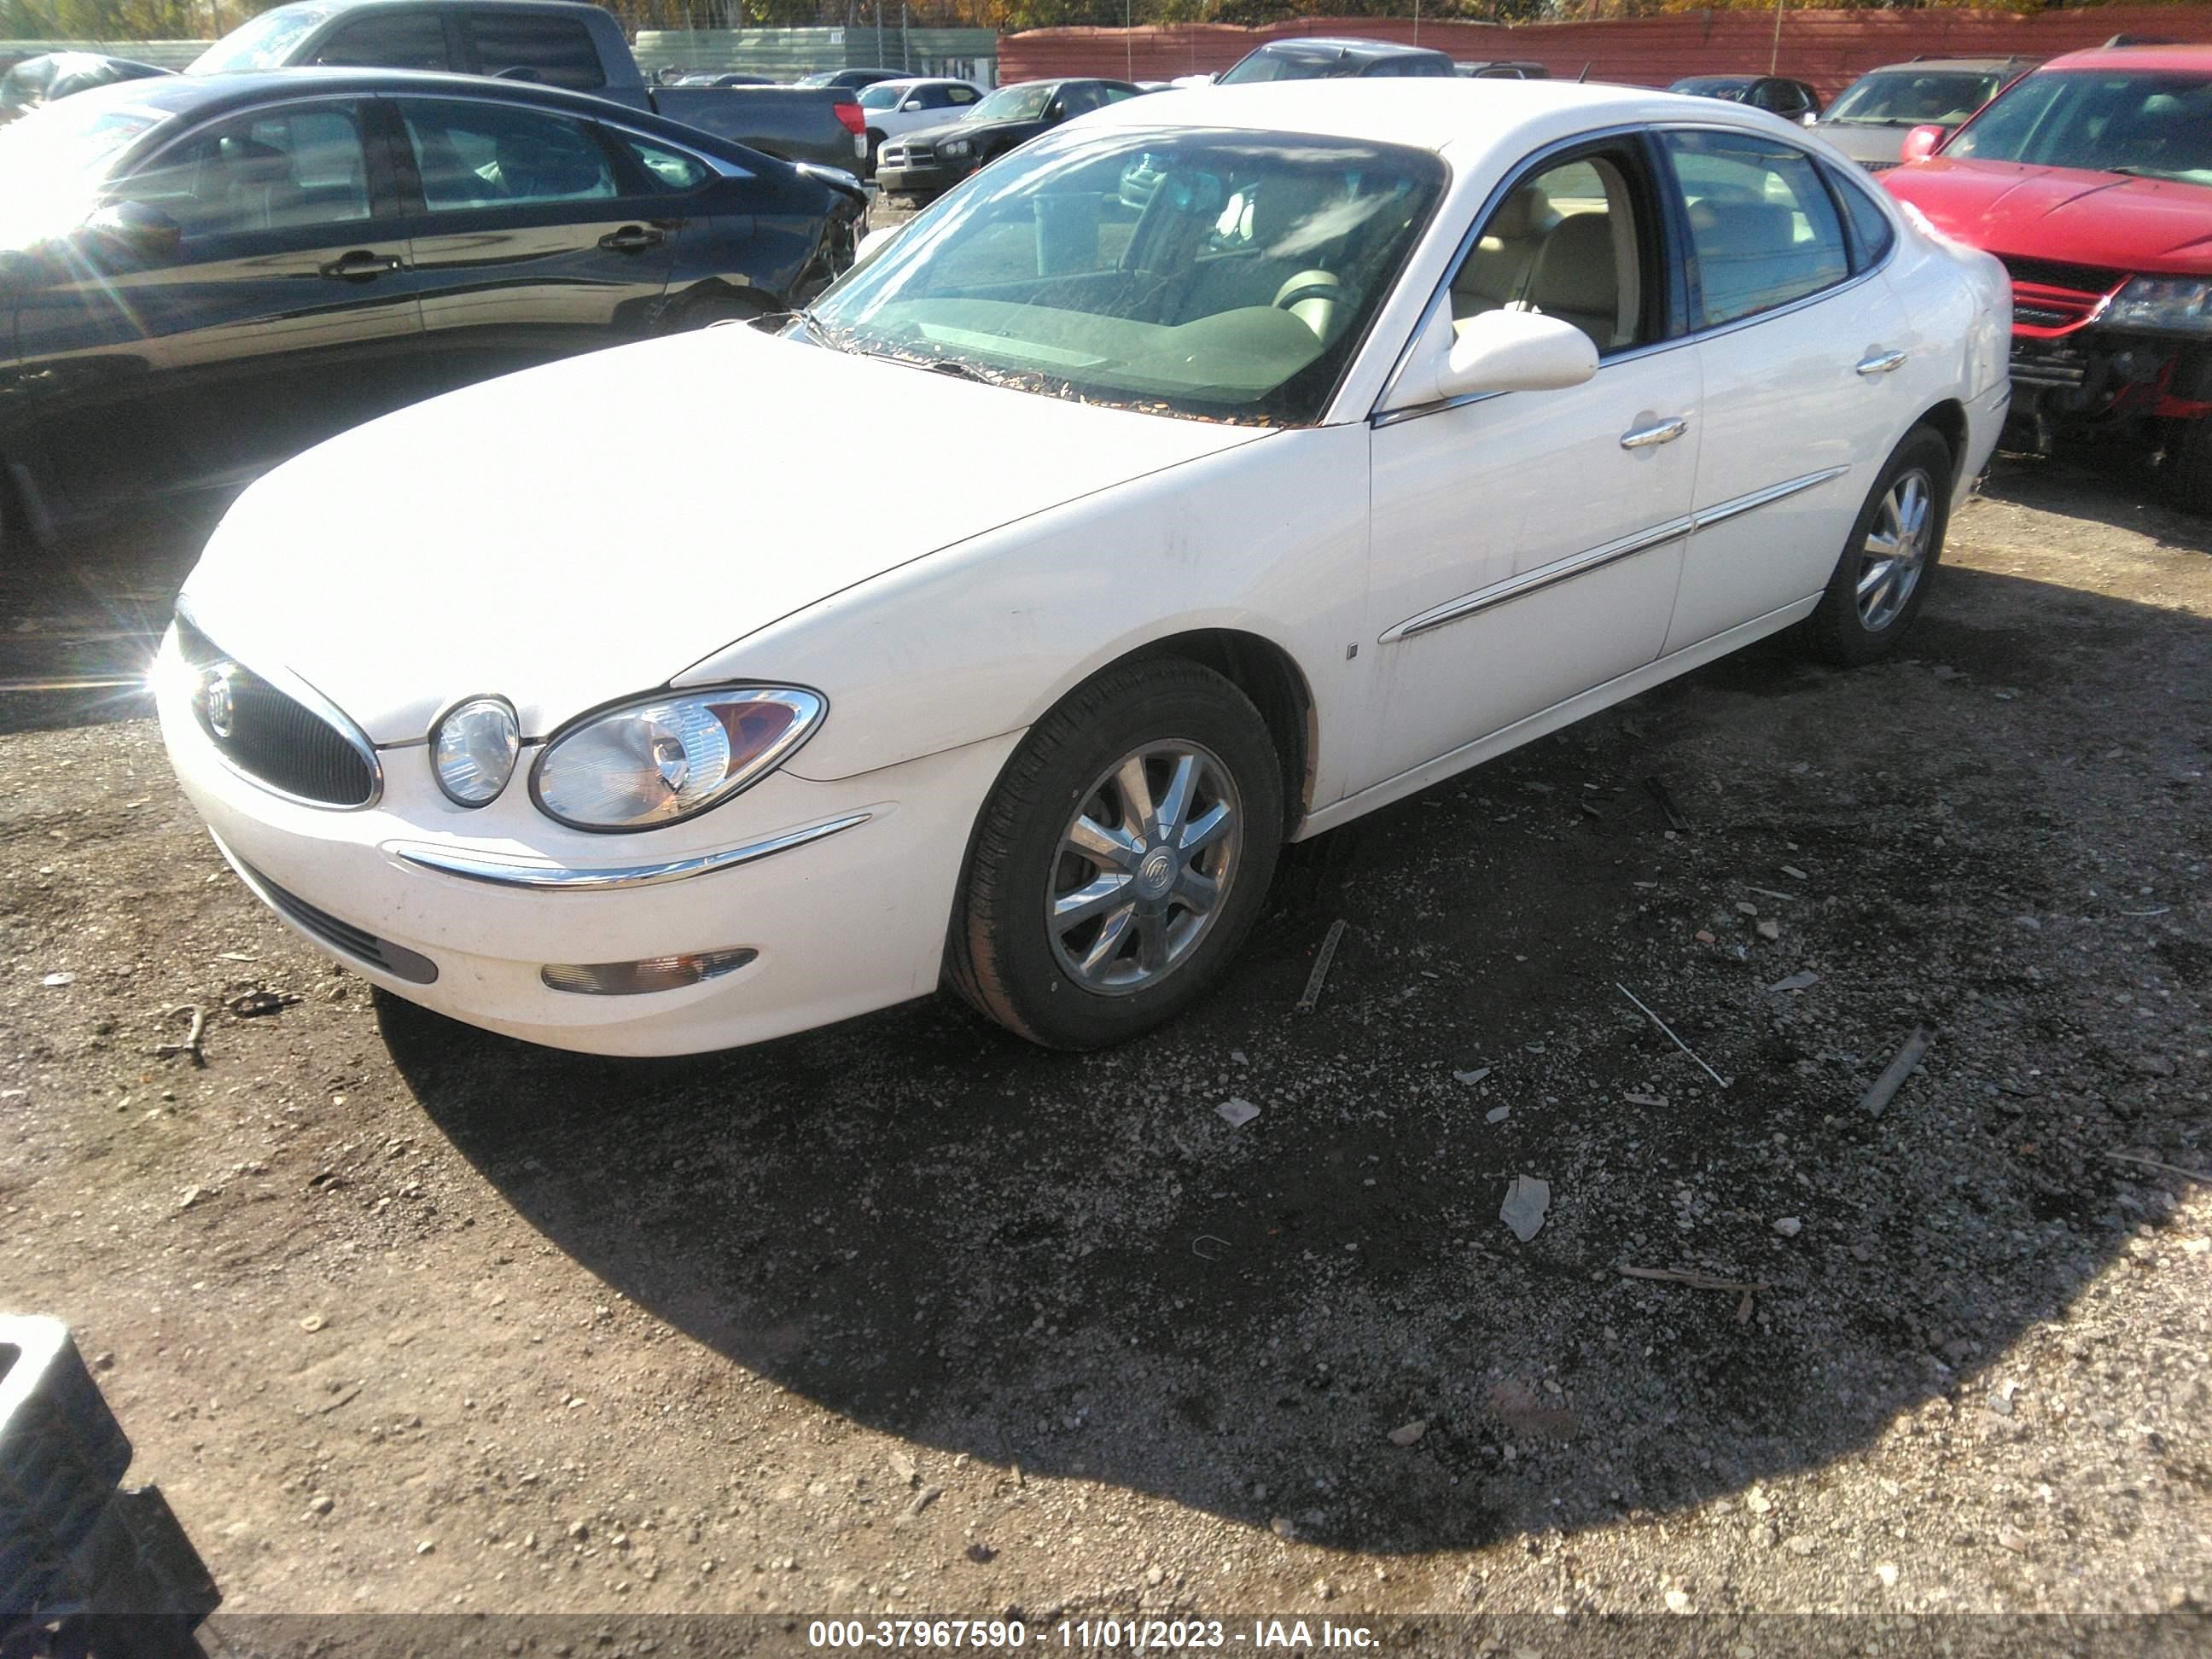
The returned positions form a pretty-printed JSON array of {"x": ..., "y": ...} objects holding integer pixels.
[{"x": 1269, "y": 538}]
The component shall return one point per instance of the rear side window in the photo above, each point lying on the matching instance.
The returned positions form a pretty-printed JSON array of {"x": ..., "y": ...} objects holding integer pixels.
[
  {"x": 491, "y": 155},
  {"x": 1871, "y": 231},
  {"x": 669, "y": 169},
  {"x": 1762, "y": 230},
  {"x": 549, "y": 51},
  {"x": 388, "y": 40},
  {"x": 960, "y": 95}
]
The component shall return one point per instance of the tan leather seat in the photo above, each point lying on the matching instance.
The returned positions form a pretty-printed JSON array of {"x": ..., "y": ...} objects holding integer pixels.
[
  {"x": 1577, "y": 278},
  {"x": 1496, "y": 269}
]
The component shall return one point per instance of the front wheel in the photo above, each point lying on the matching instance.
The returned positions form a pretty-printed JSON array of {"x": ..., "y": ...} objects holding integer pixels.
[
  {"x": 1121, "y": 860},
  {"x": 1882, "y": 579}
]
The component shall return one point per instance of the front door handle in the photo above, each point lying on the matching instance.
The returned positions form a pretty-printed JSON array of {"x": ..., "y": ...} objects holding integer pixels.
[
  {"x": 631, "y": 238},
  {"x": 1882, "y": 362},
  {"x": 360, "y": 266},
  {"x": 1646, "y": 437}
]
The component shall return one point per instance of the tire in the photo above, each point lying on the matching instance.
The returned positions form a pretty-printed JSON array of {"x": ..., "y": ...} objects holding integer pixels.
[
  {"x": 875, "y": 149},
  {"x": 2189, "y": 457},
  {"x": 1849, "y": 630},
  {"x": 1074, "y": 986}
]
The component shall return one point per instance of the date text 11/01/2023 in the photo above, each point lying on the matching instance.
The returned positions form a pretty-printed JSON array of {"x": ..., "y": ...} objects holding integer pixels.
[{"x": 1133, "y": 1635}]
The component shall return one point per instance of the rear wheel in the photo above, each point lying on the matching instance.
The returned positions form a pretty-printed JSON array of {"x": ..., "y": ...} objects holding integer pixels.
[
  {"x": 875, "y": 149},
  {"x": 1882, "y": 579},
  {"x": 1122, "y": 859}
]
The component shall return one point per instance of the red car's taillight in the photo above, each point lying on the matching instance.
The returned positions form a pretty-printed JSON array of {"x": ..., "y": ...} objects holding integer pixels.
[{"x": 855, "y": 123}]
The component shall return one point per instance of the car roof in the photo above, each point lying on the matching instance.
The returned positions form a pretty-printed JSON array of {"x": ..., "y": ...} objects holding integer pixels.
[
  {"x": 1444, "y": 113},
  {"x": 2185, "y": 58},
  {"x": 210, "y": 94},
  {"x": 1350, "y": 45},
  {"x": 1968, "y": 65}
]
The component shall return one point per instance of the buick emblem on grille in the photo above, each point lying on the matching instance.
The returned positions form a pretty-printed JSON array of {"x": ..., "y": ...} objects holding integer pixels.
[{"x": 216, "y": 699}]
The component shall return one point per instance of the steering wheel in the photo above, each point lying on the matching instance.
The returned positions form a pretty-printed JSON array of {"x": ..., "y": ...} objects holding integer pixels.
[{"x": 1319, "y": 292}]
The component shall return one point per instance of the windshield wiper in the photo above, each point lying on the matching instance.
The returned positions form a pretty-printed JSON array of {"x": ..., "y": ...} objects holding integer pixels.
[{"x": 818, "y": 331}]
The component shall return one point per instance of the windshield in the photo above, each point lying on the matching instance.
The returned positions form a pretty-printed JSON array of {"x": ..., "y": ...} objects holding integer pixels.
[
  {"x": 1264, "y": 66},
  {"x": 2154, "y": 126},
  {"x": 1906, "y": 98},
  {"x": 261, "y": 44},
  {"x": 884, "y": 94},
  {"x": 1711, "y": 86},
  {"x": 1015, "y": 103},
  {"x": 55, "y": 157},
  {"x": 1227, "y": 276}
]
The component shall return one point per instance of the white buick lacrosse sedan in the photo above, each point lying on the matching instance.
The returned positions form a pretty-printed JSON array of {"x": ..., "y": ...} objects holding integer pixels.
[{"x": 1243, "y": 460}]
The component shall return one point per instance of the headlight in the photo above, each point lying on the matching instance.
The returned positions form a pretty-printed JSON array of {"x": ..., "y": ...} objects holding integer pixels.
[
  {"x": 2163, "y": 305},
  {"x": 663, "y": 759},
  {"x": 955, "y": 147},
  {"x": 472, "y": 751}
]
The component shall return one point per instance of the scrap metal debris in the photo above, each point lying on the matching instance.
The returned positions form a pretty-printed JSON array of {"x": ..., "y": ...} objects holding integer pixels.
[
  {"x": 2169, "y": 1169},
  {"x": 1797, "y": 982},
  {"x": 1526, "y": 1200},
  {"x": 1658, "y": 792},
  {"x": 1319, "y": 974},
  {"x": 1699, "y": 1281},
  {"x": 249, "y": 1005},
  {"x": 1236, "y": 1112},
  {"x": 190, "y": 1045},
  {"x": 1893, "y": 1079},
  {"x": 1671, "y": 1038}
]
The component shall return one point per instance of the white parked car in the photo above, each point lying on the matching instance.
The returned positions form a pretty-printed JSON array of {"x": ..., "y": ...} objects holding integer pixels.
[
  {"x": 893, "y": 107},
  {"x": 1384, "y": 427}
]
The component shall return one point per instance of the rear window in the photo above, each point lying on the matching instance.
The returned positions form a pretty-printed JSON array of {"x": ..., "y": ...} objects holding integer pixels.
[{"x": 550, "y": 51}]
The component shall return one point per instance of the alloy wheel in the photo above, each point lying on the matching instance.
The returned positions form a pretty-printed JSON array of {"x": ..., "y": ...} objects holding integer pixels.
[
  {"x": 1895, "y": 553},
  {"x": 1143, "y": 867}
]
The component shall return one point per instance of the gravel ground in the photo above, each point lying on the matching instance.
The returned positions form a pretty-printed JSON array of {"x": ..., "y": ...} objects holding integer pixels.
[{"x": 905, "y": 1316}]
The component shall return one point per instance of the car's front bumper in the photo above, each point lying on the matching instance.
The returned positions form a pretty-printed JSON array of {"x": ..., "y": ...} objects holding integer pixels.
[
  {"x": 920, "y": 180},
  {"x": 2100, "y": 374},
  {"x": 843, "y": 890}
]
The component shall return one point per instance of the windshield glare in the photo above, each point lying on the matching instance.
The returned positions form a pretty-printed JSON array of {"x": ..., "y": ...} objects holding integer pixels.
[
  {"x": 1909, "y": 98},
  {"x": 1227, "y": 276},
  {"x": 261, "y": 44},
  {"x": 2158, "y": 126},
  {"x": 1014, "y": 104},
  {"x": 55, "y": 158},
  {"x": 1292, "y": 66},
  {"x": 884, "y": 94}
]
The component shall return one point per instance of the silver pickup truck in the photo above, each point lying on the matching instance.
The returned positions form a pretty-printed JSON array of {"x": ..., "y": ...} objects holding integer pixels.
[{"x": 555, "y": 43}]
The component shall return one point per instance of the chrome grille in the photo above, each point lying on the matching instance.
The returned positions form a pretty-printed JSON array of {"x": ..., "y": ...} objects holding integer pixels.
[
  {"x": 275, "y": 739},
  {"x": 347, "y": 939},
  {"x": 909, "y": 155}
]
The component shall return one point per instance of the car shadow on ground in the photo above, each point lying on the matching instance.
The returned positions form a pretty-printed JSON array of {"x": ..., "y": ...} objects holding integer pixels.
[{"x": 1075, "y": 1264}]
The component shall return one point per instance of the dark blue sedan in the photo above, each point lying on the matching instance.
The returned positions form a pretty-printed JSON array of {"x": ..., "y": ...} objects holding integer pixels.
[{"x": 201, "y": 276}]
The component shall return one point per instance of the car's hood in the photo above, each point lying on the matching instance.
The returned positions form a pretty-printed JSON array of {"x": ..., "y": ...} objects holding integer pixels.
[
  {"x": 585, "y": 530},
  {"x": 968, "y": 129},
  {"x": 1864, "y": 143},
  {"x": 2063, "y": 214}
]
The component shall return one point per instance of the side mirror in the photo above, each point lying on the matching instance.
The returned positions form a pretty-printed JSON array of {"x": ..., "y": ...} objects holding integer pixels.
[
  {"x": 144, "y": 229},
  {"x": 1810, "y": 116},
  {"x": 1495, "y": 351},
  {"x": 876, "y": 241},
  {"x": 1922, "y": 143}
]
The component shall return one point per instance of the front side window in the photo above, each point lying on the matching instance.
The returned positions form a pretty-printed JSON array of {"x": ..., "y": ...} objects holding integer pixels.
[
  {"x": 287, "y": 169},
  {"x": 551, "y": 51},
  {"x": 1219, "y": 275},
  {"x": 1763, "y": 231},
  {"x": 1910, "y": 97},
  {"x": 2154, "y": 126},
  {"x": 491, "y": 155},
  {"x": 388, "y": 40},
  {"x": 1567, "y": 242},
  {"x": 55, "y": 159}
]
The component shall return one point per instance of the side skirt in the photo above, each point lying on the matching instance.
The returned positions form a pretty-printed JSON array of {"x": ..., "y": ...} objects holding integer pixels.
[{"x": 1548, "y": 721}]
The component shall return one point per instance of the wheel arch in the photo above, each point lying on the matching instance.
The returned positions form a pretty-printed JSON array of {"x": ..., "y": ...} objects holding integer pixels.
[
  {"x": 1267, "y": 673},
  {"x": 1947, "y": 419}
]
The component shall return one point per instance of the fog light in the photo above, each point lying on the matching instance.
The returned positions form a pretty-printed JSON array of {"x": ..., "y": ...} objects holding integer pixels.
[{"x": 631, "y": 979}]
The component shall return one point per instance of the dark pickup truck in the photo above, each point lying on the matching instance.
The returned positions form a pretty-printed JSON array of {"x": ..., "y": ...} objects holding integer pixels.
[{"x": 554, "y": 43}]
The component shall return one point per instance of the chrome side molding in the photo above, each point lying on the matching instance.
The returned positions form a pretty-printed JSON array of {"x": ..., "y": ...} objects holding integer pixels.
[{"x": 541, "y": 875}]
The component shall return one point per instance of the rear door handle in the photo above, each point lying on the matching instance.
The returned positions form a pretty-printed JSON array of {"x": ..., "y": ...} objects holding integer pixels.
[
  {"x": 631, "y": 238},
  {"x": 1646, "y": 437},
  {"x": 1881, "y": 363},
  {"x": 360, "y": 266}
]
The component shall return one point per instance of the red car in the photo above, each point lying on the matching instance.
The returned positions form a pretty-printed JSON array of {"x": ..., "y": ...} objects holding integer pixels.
[{"x": 2091, "y": 179}]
